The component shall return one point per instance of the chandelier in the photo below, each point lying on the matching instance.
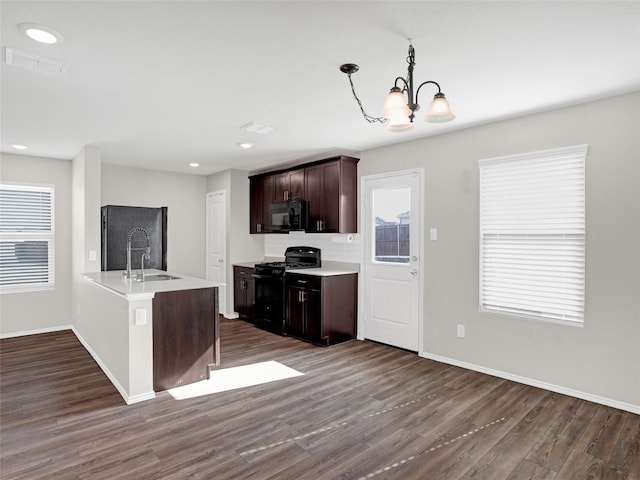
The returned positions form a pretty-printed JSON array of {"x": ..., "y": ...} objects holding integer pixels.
[{"x": 399, "y": 110}]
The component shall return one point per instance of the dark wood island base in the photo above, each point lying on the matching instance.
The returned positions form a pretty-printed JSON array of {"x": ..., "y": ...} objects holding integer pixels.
[{"x": 186, "y": 336}]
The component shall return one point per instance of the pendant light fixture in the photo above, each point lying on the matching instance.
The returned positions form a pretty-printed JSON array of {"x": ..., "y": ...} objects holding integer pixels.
[{"x": 399, "y": 110}]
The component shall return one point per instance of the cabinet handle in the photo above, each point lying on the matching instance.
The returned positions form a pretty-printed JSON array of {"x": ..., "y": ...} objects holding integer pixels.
[{"x": 303, "y": 281}]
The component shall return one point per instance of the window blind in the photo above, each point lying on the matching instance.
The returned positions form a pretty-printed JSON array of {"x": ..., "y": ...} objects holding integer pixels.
[
  {"x": 26, "y": 237},
  {"x": 532, "y": 234}
]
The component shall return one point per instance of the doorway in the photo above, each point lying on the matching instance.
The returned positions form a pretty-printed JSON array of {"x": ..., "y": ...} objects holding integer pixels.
[
  {"x": 393, "y": 265},
  {"x": 216, "y": 250}
]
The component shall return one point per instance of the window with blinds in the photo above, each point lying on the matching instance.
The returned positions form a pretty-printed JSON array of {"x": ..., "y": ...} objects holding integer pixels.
[
  {"x": 532, "y": 235},
  {"x": 26, "y": 237}
]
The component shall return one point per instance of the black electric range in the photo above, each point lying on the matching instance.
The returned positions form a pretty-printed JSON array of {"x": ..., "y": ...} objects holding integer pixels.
[{"x": 269, "y": 293}]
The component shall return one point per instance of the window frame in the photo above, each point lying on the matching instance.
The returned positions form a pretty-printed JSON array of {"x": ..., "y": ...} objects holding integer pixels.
[
  {"x": 24, "y": 235},
  {"x": 541, "y": 230}
]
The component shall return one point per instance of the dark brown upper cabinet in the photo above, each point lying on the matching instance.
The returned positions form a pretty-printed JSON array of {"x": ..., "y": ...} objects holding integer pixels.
[
  {"x": 288, "y": 186},
  {"x": 330, "y": 188},
  {"x": 332, "y": 196},
  {"x": 260, "y": 199}
]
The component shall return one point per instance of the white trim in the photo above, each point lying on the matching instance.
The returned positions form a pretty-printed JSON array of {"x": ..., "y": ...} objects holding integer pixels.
[
  {"x": 123, "y": 393},
  {"x": 121, "y": 390},
  {"x": 36, "y": 331},
  {"x": 140, "y": 398},
  {"x": 536, "y": 383}
]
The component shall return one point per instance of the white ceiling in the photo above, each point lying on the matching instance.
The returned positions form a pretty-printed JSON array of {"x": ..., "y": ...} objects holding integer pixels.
[{"x": 159, "y": 84}]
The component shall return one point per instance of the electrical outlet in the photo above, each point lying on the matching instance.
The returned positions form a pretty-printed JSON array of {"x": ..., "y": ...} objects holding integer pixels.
[
  {"x": 461, "y": 331},
  {"x": 140, "y": 316}
]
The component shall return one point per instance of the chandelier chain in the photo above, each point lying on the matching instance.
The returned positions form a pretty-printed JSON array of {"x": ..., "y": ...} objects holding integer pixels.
[{"x": 366, "y": 116}]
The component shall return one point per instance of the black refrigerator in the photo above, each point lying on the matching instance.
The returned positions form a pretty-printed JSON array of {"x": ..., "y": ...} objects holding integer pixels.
[{"x": 118, "y": 221}]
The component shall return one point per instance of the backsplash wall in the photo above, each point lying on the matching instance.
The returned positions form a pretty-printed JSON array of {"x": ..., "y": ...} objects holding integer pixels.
[{"x": 335, "y": 247}]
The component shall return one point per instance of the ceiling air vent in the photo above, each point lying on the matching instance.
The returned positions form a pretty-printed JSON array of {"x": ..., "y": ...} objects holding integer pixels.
[{"x": 33, "y": 62}]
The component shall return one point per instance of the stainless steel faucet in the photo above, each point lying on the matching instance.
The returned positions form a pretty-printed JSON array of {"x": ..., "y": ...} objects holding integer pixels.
[{"x": 147, "y": 250}]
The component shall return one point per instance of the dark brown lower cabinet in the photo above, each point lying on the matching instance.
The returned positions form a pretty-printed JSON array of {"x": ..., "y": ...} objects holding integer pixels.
[
  {"x": 243, "y": 292},
  {"x": 321, "y": 309},
  {"x": 186, "y": 336}
]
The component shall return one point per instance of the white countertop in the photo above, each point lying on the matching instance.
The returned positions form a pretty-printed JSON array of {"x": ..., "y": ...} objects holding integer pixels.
[{"x": 133, "y": 289}]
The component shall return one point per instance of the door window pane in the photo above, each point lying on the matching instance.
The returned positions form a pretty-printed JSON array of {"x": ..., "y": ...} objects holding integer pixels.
[{"x": 391, "y": 220}]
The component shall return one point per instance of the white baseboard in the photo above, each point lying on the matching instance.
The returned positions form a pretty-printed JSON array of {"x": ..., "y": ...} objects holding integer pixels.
[
  {"x": 121, "y": 390},
  {"x": 36, "y": 332},
  {"x": 140, "y": 398},
  {"x": 535, "y": 383},
  {"x": 129, "y": 400}
]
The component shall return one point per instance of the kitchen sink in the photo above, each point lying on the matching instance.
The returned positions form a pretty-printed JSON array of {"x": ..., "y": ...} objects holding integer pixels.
[{"x": 157, "y": 276}]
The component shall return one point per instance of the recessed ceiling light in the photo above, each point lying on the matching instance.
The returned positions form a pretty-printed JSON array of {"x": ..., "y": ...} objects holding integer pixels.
[
  {"x": 194, "y": 165},
  {"x": 17, "y": 146},
  {"x": 41, "y": 33},
  {"x": 245, "y": 145}
]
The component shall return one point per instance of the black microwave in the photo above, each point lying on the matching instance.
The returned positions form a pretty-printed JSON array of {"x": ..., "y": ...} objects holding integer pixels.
[{"x": 287, "y": 216}]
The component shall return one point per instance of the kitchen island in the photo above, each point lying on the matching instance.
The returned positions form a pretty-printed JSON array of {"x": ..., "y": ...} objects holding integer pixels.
[{"x": 167, "y": 325}]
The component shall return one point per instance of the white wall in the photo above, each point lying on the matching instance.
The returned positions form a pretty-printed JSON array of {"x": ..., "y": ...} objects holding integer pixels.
[
  {"x": 185, "y": 197},
  {"x": 50, "y": 309},
  {"x": 603, "y": 358},
  {"x": 241, "y": 246}
]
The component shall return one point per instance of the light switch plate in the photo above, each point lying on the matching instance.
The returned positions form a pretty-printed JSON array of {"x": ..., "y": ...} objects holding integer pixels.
[
  {"x": 460, "y": 331},
  {"x": 433, "y": 234},
  {"x": 93, "y": 255}
]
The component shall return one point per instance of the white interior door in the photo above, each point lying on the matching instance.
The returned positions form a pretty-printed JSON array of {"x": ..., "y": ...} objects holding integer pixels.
[
  {"x": 216, "y": 243},
  {"x": 393, "y": 265}
]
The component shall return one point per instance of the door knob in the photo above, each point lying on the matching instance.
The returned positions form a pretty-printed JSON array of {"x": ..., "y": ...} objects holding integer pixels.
[
  {"x": 413, "y": 272},
  {"x": 220, "y": 261}
]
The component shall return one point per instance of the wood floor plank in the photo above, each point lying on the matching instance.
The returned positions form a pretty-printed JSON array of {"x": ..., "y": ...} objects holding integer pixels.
[{"x": 360, "y": 410}]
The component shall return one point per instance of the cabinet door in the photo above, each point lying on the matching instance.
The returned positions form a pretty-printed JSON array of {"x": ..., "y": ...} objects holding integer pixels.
[
  {"x": 267, "y": 196},
  {"x": 238, "y": 295},
  {"x": 331, "y": 197},
  {"x": 255, "y": 202},
  {"x": 294, "y": 323},
  {"x": 322, "y": 184},
  {"x": 243, "y": 291},
  {"x": 288, "y": 186},
  {"x": 313, "y": 190},
  {"x": 280, "y": 187},
  {"x": 260, "y": 199},
  {"x": 312, "y": 307},
  {"x": 296, "y": 184}
]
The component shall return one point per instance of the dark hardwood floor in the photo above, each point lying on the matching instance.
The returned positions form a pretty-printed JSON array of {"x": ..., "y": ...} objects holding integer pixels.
[{"x": 360, "y": 411}]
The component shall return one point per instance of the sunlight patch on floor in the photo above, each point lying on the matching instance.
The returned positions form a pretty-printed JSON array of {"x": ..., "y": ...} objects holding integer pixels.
[{"x": 235, "y": 377}]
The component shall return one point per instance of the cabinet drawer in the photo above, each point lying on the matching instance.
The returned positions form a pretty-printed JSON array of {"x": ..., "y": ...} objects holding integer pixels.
[
  {"x": 243, "y": 272},
  {"x": 312, "y": 282}
]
